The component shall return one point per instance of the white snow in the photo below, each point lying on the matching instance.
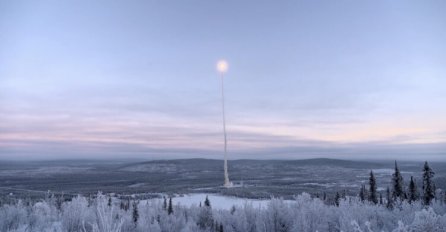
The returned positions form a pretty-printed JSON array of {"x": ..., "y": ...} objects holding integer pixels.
[{"x": 217, "y": 201}]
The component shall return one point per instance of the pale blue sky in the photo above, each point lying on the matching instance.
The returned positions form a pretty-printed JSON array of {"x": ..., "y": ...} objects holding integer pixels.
[{"x": 354, "y": 79}]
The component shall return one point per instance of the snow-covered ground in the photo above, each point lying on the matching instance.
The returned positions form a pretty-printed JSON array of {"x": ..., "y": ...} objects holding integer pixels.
[{"x": 217, "y": 201}]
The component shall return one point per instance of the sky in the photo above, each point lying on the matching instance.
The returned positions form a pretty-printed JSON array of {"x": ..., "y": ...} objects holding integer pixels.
[{"x": 137, "y": 79}]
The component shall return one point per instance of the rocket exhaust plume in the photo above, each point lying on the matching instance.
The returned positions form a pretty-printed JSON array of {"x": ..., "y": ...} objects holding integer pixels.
[{"x": 222, "y": 67}]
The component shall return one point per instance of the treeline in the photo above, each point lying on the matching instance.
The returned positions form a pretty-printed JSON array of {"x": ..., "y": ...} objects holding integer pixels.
[{"x": 398, "y": 192}]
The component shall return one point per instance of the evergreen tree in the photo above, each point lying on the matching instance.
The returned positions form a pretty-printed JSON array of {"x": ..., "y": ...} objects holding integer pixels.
[
  {"x": 109, "y": 202},
  {"x": 413, "y": 191},
  {"x": 205, "y": 217},
  {"x": 397, "y": 184},
  {"x": 381, "y": 202},
  {"x": 89, "y": 200},
  {"x": 232, "y": 211},
  {"x": 325, "y": 196},
  {"x": 59, "y": 201},
  {"x": 363, "y": 193},
  {"x": 221, "y": 228},
  {"x": 428, "y": 188},
  {"x": 207, "y": 202},
  {"x": 135, "y": 213},
  {"x": 337, "y": 198},
  {"x": 170, "y": 207},
  {"x": 165, "y": 203},
  {"x": 127, "y": 205},
  {"x": 389, "y": 204},
  {"x": 373, "y": 196}
]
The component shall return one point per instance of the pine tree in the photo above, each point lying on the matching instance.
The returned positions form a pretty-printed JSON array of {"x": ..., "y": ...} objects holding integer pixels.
[
  {"x": 89, "y": 200},
  {"x": 221, "y": 228},
  {"x": 59, "y": 201},
  {"x": 109, "y": 204},
  {"x": 135, "y": 214},
  {"x": 413, "y": 191},
  {"x": 381, "y": 202},
  {"x": 337, "y": 198},
  {"x": 127, "y": 206},
  {"x": 389, "y": 199},
  {"x": 428, "y": 190},
  {"x": 232, "y": 211},
  {"x": 205, "y": 217},
  {"x": 165, "y": 203},
  {"x": 397, "y": 184},
  {"x": 373, "y": 196},
  {"x": 325, "y": 196},
  {"x": 363, "y": 193},
  {"x": 207, "y": 202},
  {"x": 170, "y": 207}
]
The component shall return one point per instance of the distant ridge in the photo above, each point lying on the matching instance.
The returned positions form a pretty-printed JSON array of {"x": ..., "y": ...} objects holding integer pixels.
[{"x": 212, "y": 163}]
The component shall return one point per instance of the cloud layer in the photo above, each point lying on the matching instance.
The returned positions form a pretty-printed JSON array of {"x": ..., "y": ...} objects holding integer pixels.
[{"x": 138, "y": 79}]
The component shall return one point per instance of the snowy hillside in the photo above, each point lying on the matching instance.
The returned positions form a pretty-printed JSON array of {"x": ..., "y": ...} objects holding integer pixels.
[{"x": 305, "y": 213}]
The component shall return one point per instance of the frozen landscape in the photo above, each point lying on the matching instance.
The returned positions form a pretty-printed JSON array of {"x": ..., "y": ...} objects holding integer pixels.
[
  {"x": 284, "y": 202},
  {"x": 222, "y": 116},
  {"x": 304, "y": 213},
  {"x": 257, "y": 179}
]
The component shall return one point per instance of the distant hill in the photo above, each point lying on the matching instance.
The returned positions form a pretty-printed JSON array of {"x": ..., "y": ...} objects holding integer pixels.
[{"x": 213, "y": 164}]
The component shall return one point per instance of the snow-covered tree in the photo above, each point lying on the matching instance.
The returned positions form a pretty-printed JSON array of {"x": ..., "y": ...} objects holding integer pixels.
[
  {"x": 276, "y": 217},
  {"x": 170, "y": 207},
  {"x": 207, "y": 202},
  {"x": 107, "y": 218},
  {"x": 337, "y": 199},
  {"x": 413, "y": 191},
  {"x": 363, "y": 194},
  {"x": 428, "y": 188},
  {"x": 373, "y": 195},
  {"x": 135, "y": 213},
  {"x": 164, "y": 203},
  {"x": 397, "y": 184},
  {"x": 205, "y": 217},
  {"x": 381, "y": 201},
  {"x": 389, "y": 203},
  {"x": 76, "y": 215}
]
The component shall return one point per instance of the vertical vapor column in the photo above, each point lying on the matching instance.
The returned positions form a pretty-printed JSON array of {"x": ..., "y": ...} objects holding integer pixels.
[{"x": 222, "y": 68}]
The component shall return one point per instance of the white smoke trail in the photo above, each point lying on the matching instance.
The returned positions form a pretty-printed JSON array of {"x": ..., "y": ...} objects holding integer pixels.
[{"x": 222, "y": 67}]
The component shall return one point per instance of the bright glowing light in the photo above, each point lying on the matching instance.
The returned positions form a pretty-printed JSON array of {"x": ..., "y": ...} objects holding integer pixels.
[{"x": 222, "y": 66}]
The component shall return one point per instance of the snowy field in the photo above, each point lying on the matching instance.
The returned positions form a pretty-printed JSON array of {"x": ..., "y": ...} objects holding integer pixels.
[{"x": 217, "y": 201}]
